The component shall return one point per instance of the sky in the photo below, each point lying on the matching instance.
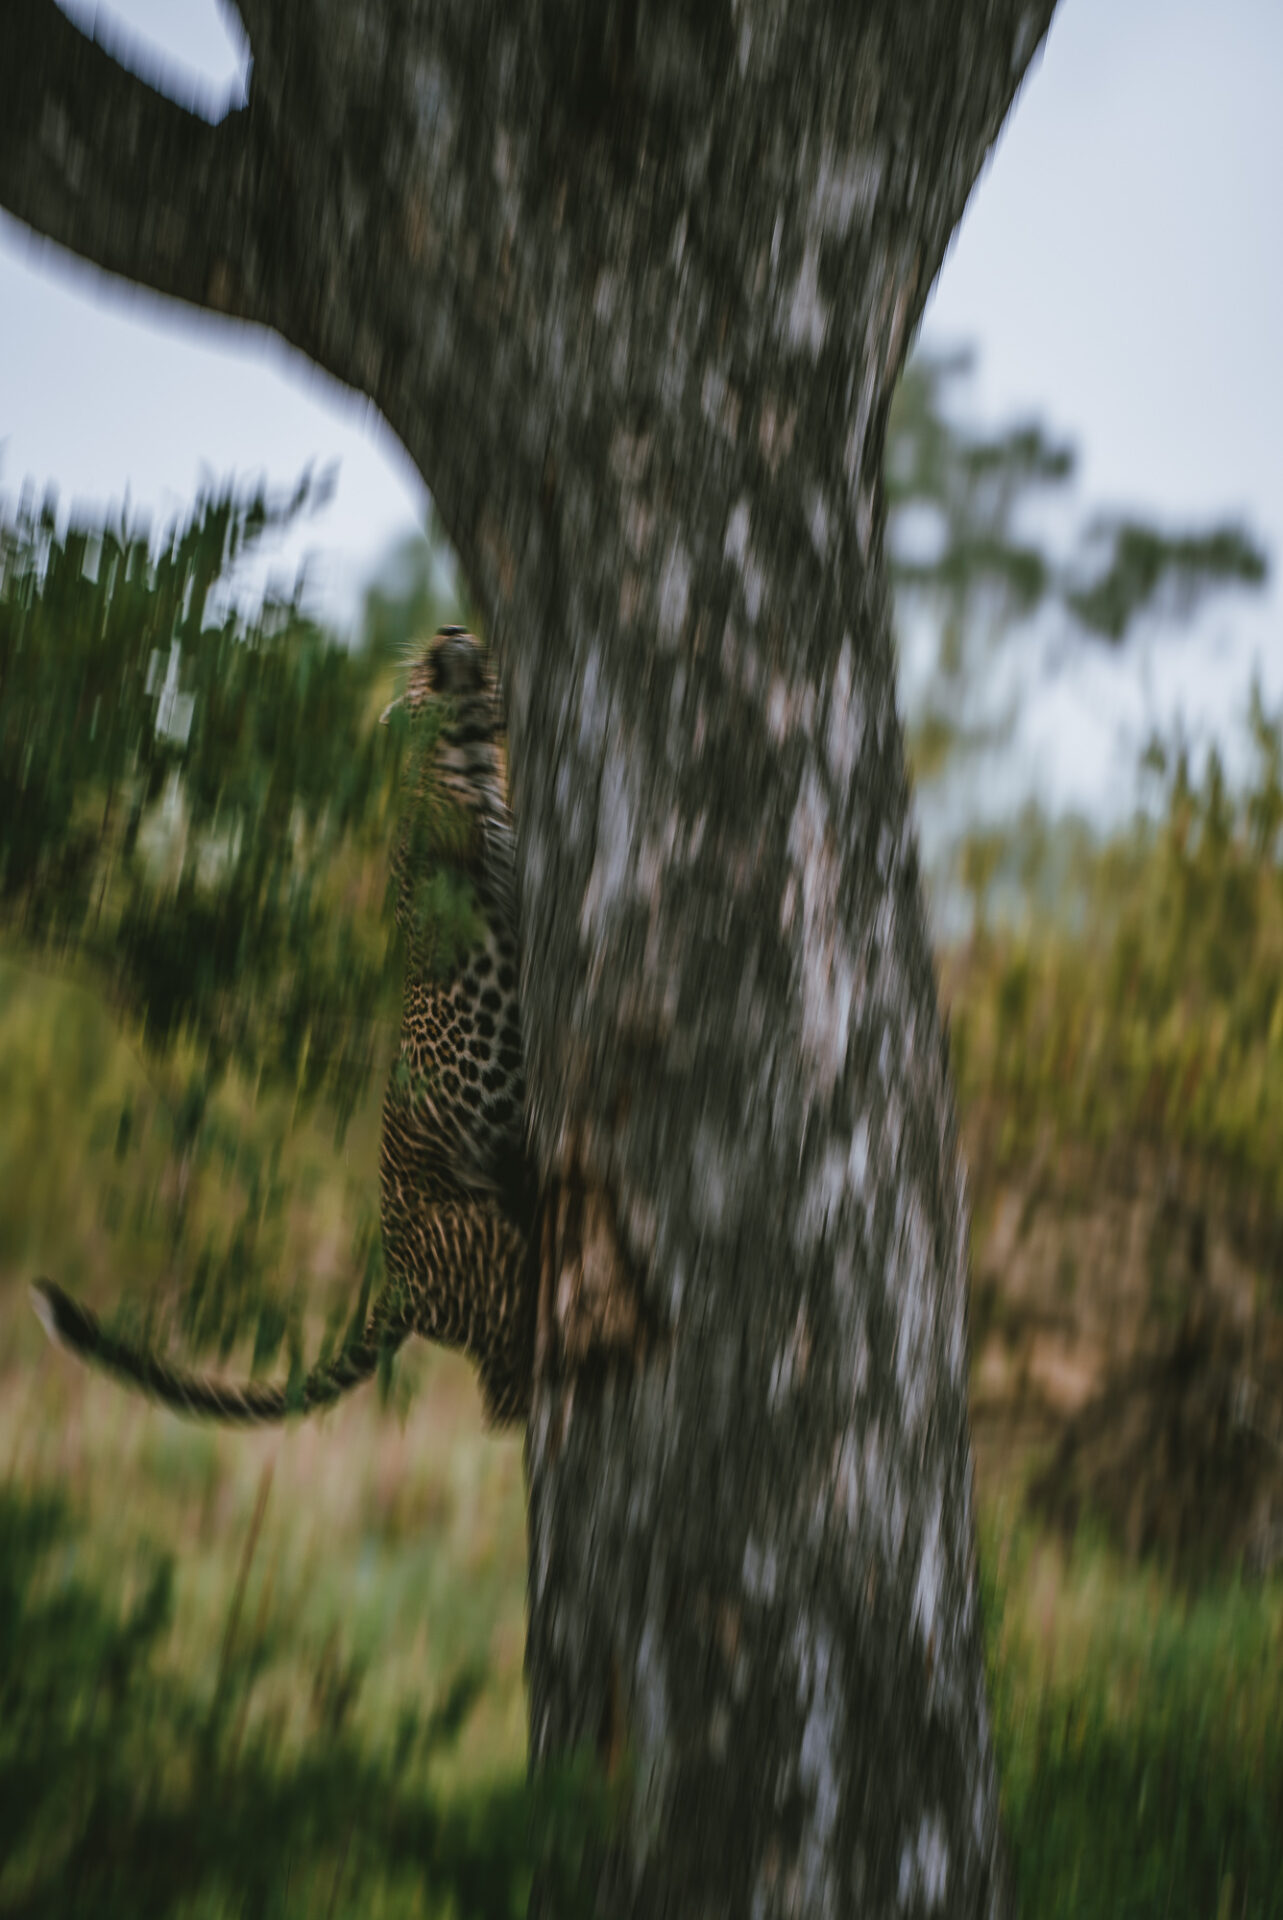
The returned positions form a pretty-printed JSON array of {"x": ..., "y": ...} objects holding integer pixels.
[{"x": 1118, "y": 271}]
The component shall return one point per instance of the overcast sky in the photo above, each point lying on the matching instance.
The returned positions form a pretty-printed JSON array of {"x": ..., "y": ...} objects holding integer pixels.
[{"x": 1119, "y": 271}]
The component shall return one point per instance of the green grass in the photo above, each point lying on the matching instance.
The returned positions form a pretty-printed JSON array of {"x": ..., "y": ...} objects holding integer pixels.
[
  {"x": 184, "y": 1729},
  {"x": 1140, "y": 1735}
]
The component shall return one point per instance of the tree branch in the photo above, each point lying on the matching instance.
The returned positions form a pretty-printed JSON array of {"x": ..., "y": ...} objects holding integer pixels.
[{"x": 100, "y": 162}]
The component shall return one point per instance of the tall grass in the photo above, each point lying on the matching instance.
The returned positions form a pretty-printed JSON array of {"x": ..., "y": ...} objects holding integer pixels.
[{"x": 1139, "y": 1734}]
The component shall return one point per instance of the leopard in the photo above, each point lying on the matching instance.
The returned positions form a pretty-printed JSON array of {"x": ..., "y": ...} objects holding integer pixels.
[{"x": 457, "y": 1184}]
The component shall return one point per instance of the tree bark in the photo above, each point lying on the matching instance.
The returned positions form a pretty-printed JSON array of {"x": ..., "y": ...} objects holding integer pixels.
[{"x": 633, "y": 282}]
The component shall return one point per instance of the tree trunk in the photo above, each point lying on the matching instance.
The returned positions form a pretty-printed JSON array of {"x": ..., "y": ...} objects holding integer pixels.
[{"x": 633, "y": 280}]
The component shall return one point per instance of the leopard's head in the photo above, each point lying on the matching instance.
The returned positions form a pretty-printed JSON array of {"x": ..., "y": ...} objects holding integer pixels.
[{"x": 452, "y": 668}]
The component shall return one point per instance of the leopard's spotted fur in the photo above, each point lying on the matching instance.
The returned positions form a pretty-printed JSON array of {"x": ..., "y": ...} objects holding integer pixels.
[{"x": 456, "y": 1183}]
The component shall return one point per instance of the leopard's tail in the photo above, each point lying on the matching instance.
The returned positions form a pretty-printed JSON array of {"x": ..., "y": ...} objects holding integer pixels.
[{"x": 249, "y": 1403}]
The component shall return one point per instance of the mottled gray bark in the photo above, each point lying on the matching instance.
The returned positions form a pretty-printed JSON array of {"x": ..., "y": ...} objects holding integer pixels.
[{"x": 633, "y": 282}]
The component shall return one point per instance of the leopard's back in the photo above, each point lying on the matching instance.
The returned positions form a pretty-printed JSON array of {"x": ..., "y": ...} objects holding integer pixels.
[{"x": 454, "y": 1114}]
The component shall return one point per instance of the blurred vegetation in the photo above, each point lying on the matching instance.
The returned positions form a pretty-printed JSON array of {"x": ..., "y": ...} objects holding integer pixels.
[
  {"x": 1143, "y": 1005},
  {"x": 127, "y": 1788},
  {"x": 1139, "y": 1734},
  {"x": 282, "y": 1673},
  {"x": 143, "y": 1773},
  {"x": 213, "y": 851},
  {"x": 987, "y": 553},
  {"x": 417, "y": 588}
]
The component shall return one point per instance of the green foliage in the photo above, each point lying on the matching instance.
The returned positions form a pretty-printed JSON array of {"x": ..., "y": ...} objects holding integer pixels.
[
  {"x": 1149, "y": 1007},
  {"x": 415, "y": 593},
  {"x": 214, "y": 849},
  {"x": 967, "y": 558},
  {"x": 1142, "y": 566},
  {"x": 974, "y": 488},
  {"x": 126, "y": 1789},
  {"x": 184, "y": 1209},
  {"x": 1139, "y": 1739}
]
